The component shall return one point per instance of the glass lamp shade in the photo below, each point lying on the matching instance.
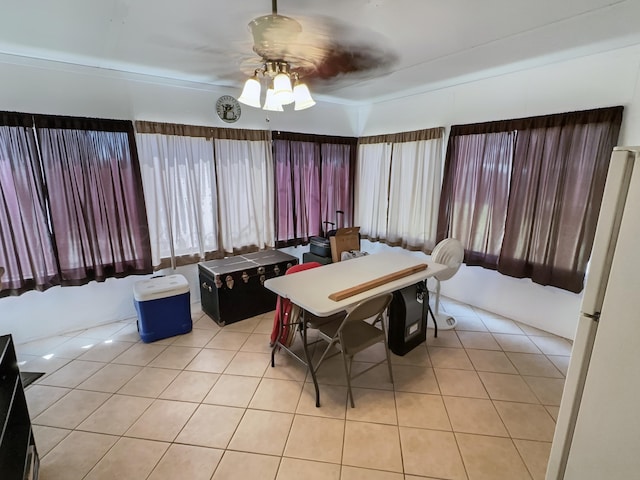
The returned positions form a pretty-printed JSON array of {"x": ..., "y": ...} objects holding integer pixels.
[
  {"x": 270, "y": 102},
  {"x": 251, "y": 93},
  {"x": 282, "y": 91},
  {"x": 302, "y": 97}
]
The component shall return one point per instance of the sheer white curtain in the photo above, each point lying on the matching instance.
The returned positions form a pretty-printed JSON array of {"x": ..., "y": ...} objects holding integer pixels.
[
  {"x": 371, "y": 189},
  {"x": 246, "y": 193},
  {"x": 178, "y": 176},
  {"x": 414, "y": 193}
]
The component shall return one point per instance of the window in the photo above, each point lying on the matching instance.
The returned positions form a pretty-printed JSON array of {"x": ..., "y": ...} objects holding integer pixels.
[
  {"x": 86, "y": 212},
  {"x": 523, "y": 196}
]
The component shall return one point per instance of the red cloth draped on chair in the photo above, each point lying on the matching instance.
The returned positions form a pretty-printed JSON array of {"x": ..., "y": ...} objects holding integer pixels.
[{"x": 284, "y": 305}]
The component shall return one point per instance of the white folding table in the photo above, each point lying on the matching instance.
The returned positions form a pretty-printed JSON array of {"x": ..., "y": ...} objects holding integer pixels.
[{"x": 310, "y": 289}]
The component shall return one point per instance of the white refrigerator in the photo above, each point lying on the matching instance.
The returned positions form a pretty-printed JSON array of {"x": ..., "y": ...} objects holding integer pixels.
[{"x": 598, "y": 429}]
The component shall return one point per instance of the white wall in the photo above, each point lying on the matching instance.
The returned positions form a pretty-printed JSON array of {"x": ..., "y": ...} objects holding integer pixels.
[{"x": 597, "y": 81}]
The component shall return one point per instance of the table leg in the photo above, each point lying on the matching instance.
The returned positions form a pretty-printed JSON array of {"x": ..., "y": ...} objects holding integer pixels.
[{"x": 307, "y": 358}]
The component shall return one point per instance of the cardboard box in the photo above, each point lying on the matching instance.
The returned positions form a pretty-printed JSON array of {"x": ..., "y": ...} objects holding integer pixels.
[{"x": 345, "y": 239}]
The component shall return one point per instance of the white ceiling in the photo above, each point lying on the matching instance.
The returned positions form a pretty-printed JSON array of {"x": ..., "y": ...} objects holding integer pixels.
[{"x": 434, "y": 43}]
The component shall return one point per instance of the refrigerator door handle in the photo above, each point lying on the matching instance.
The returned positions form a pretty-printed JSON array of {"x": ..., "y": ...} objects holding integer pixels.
[{"x": 593, "y": 316}]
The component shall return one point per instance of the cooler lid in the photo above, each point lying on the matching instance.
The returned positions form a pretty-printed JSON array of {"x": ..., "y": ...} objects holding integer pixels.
[{"x": 160, "y": 287}]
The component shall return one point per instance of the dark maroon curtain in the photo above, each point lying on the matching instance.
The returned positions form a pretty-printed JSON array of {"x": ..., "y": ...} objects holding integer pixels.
[
  {"x": 96, "y": 201},
  {"x": 555, "y": 172},
  {"x": 314, "y": 178},
  {"x": 26, "y": 247},
  {"x": 559, "y": 171}
]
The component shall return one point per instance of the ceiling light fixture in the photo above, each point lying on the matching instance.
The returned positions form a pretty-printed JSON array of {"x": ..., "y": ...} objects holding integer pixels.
[{"x": 283, "y": 87}]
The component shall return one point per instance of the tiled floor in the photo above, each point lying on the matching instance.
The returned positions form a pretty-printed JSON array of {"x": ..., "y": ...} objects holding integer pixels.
[{"x": 475, "y": 403}]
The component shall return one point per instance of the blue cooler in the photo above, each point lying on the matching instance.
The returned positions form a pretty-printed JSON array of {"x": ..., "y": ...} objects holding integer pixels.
[{"x": 164, "y": 307}]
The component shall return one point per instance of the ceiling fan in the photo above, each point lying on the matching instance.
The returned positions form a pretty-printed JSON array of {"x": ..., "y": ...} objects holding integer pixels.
[{"x": 318, "y": 53}]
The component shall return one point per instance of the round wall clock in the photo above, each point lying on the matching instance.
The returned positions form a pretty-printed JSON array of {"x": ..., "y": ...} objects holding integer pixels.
[{"x": 228, "y": 109}]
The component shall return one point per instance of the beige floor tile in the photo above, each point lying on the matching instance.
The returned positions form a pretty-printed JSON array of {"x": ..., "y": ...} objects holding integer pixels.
[
  {"x": 265, "y": 325},
  {"x": 228, "y": 340},
  {"x": 258, "y": 343},
  {"x": 535, "y": 456},
  {"x": 129, "y": 458},
  {"x": 534, "y": 364},
  {"x": 211, "y": 426},
  {"x": 129, "y": 333},
  {"x": 236, "y": 465},
  {"x": 453, "y": 307},
  {"x": 516, "y": 343},
  {"x": 76, "y": 347},
  {"x": 502, "y": 386},
  {"x": 356, "y": 473},
  {"x": 532, "y": 331},
  {"x": 431, "y": 453},
  {"x": 421, "y": 411},
  {"x": 262, "y": 432},
  {"x": 374, "y": 354},
  {"x": 175, "y": 357},
  {"x": 333, "y": 401},
  {"x": 479, "y": 340},
  {"x": 197, "y": 337},
  {"x": 43, "y": 347},
  {"x": 286, "y": 368},
  {"x": 249, "y": 364},
  {"x": 72, "y": 409},
  {"x": 211, "y": 360},
  {"x": 295, "y": 469},
  {"x": 277, "y": 395},
  {"x": 140, "y": 354},
  {"x": 561, "y": 362},
  {"x": 207, "y": 323},
  {"x": 445, "y": 338},
  {"x": 44, "y": 365},
  {"x": 553, "y": 411},
  {"x": 72, "y": 374},
  {"x": 419, "y": 356},
  {"x": 489, "y": 361},
  {"x": 232, "y": 390},
  {"x": 105, "y": 351},
  {"x": 525, "y": 421},
  {"x": 371, "y": 445},
  {"x": 75, "y": 456},
  {"x": 450, "y": 358},
  {"x": 103, "y": 332},
  {"x": 375, "y": 406},
  {"x": 150, "y": 382},
  {"x": 315, "y": 438},
  {"x": 548, "y": 390},
  {"x": 470, "y": 323},
  {"x": 187, "y": 462},
  {"x": 111, "y": 378},
  {"x": 552, "y": 345},
  {"x": 488, "y": 458},
  {"x": 190, "y": 386},
  {"x": 460, "y": 383},
  {"x": 41, "y": 397},
  {"x": 331, "y": 371},
  {"x": 498, "y": 324},
  {"x": 474, "y": 415},
  {"x": 245, "y": 326},
  {"x": 48, "y": 437},
  {"x": 116, "y": 415},
  {"x": 369, "y": 375},
  {"x": 162, "y": 421},
  {"x": 411, "y": 378}
]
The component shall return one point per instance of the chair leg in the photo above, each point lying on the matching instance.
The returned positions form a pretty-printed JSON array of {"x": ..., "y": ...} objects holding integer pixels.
[
  {"x": 386, "y": 349},
  {"x": 347, "y": 371}
]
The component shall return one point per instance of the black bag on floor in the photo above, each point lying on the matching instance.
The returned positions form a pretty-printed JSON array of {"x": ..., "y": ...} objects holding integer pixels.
[{"x": 408, "y": 318}]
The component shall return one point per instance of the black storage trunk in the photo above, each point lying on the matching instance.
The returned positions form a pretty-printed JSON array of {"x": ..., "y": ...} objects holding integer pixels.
[
  {"x": 232, "y": 289},
  {"x": 408, "y": 318}
]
